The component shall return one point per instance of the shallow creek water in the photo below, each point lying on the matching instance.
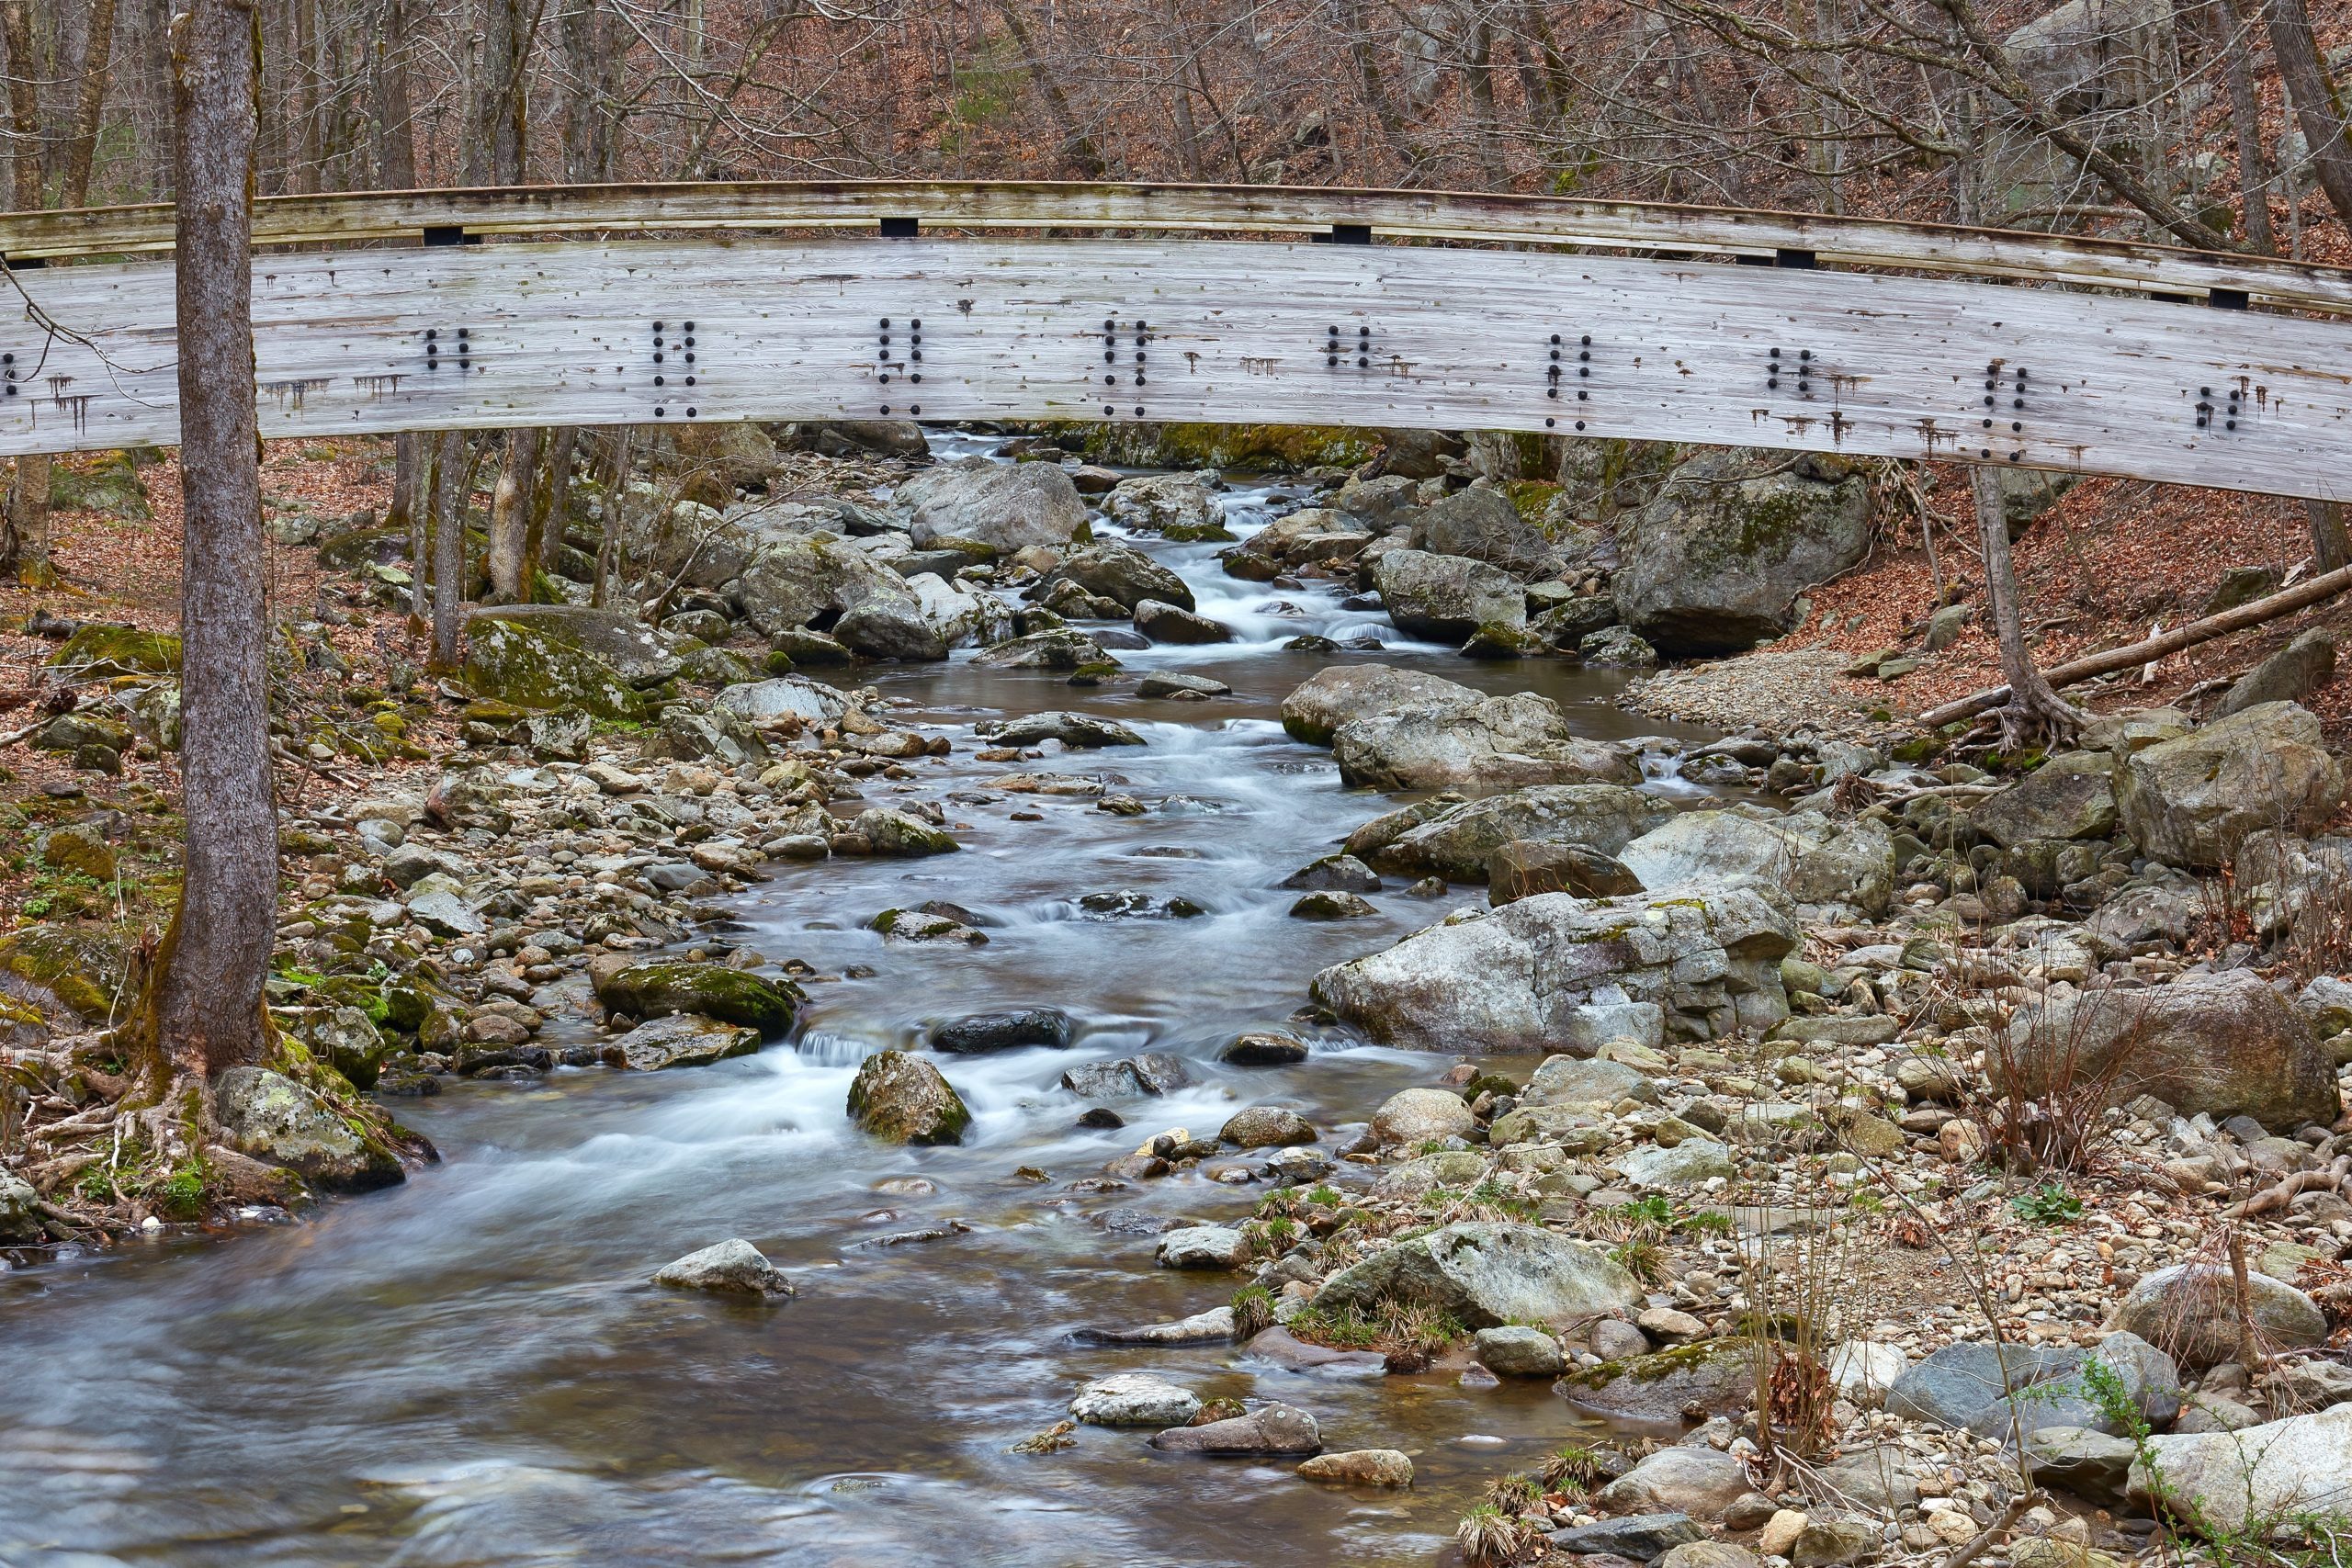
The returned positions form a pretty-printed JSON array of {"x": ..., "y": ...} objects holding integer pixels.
[{"x": 472, "y": 1367}]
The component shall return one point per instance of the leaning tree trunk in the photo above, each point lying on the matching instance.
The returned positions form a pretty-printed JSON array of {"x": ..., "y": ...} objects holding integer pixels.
[
  {"x": 448, "y": 544},
  {"x": 2035, "y": 714},
  {"x": 208, "y": 1001}
]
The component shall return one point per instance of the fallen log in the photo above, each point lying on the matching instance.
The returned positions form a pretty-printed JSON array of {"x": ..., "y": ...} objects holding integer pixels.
[{"x": 2285, "y": 602}]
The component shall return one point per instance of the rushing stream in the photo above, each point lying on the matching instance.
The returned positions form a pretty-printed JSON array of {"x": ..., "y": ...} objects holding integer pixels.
[{"x": 473, "y": 1368}]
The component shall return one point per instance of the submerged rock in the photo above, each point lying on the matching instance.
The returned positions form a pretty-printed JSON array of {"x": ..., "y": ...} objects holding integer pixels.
[
  {"x": 984, "y": 1031},
  {"x": 1360, "y": 1467},
  {"x": 903, "y": 1099},
  {"x": 734, "y": 1266}
]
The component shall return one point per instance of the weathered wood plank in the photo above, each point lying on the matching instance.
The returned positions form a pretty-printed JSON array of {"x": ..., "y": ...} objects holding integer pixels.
[
  {"x": 1221, "y": 332},
  {"x": 1416, "y": 215}
]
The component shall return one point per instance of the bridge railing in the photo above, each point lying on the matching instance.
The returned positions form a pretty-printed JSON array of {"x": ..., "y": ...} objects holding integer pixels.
[{"x": 1782, "y": 239}]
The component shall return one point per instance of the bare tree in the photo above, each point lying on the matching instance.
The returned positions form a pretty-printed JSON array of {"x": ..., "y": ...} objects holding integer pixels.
[
  {"x": 2035, "y": 714},
  {"x": 207, "y": 981}
]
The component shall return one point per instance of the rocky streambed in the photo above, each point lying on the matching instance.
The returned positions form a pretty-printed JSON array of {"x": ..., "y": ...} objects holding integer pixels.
[
  {"x": 475, "y": 1366},
  {"x": 1262, "y": 1101}
]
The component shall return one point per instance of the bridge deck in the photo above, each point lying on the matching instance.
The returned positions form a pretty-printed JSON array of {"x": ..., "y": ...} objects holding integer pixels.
[{"x": 595, "y": 331}]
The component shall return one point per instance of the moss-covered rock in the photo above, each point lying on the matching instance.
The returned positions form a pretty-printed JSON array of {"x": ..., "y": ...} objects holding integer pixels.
[
  {"x": 102, "y": 653},
  {"x": 269, "y": 1116},
  {"x": 103, "y": 481},
  {"x": 902, "y": 1098},
  {"x": 81, "y": 968},
  {"x": 78, "y": 850},
  {"x": 714, "y": 990},
  {"x": 532, "y": 666}
]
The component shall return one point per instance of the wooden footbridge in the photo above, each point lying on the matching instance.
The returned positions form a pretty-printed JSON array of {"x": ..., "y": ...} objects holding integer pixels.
[{"x": 646, "y": 304}]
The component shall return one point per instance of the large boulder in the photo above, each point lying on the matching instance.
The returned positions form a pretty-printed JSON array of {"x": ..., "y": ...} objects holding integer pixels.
[
  {"x": 1007, "y": 507},
  {"x": 1482, "y": 525},
  {"x": 1457, "y": 844},
  {"x": 2266, "y": 1475},
  {"x": 2072, "y": 795},
  {"x": 100, "y": 650},
  {"x": 1560, "y": 973},
  {"x": 1716, "y": 560},
  {"x": 715, "y": 990},
  {"x": 1808, "y": 857},
  {"x": 1492, "y": 744},
  {"x": 2289, "y": 675},
  {"x": 1718, "y": 1376},
  {"x": 798, "y": 582},
  {"x": 1486, "y": 1274},
  {"x": 2014, "y": 1390},
  {"x": 1340, "y": 692},
  {"x": 2224, "y": 1044},
  {"x": 786, "y": 696},
  {"x": 272, "y": 1118},
  {"x": 1693, "y": 1480},
  {"x": 2191, "y": 1311},
  {"x": 1120, "y": 572},
  {"x": 532, "y": 664},
  {"x": 1447, "y": 597},
  {"x": 1061, "y": 647},
  {"x": 903, "y": 1099},
  {"x": 642, "y": 655},
  {"x": 962, "y": 615},
  {"x": 1154, "y": 502},
  {"x": 2191, "y": 802}
]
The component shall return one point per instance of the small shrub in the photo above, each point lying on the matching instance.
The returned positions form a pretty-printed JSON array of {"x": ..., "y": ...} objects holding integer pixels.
[
  {"x": 1253, "y": 1311},
  {"x": 2049, "y": 1205},
  {"x": 1487, "y": 1537}
]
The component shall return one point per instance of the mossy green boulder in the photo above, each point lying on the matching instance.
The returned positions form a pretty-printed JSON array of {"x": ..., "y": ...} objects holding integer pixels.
[
  {"x": 85, "y": 970},
  {"x": 902, "y": 1098},
  {"x": 104, "y": 653},
  {"x": 534, "y": 666},
  {"x": 714, "y": 990}
]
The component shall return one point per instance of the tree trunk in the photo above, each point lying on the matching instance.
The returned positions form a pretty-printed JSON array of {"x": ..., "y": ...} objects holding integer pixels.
[
  {"x": 2246, "y": 120},
  {"x": 2035, "y": 715},
  {"x": 550, "y": 498},
  {"x": 608, "y": 549},
  {"x": 98, "y": 71},
  {"x": 448, "y": 544},
  {"x": 23, "y": 532},
  {"x": 2317, "y": 104},
  {"x": 395, "y": 134},
  {"x": 510, "y": 517},
  {"x": 498, "y": 113},
  {"x": 209, "y": 1012},
  {"x": 411, "y": 480},
  {"x": 2330, "y": 545}
]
